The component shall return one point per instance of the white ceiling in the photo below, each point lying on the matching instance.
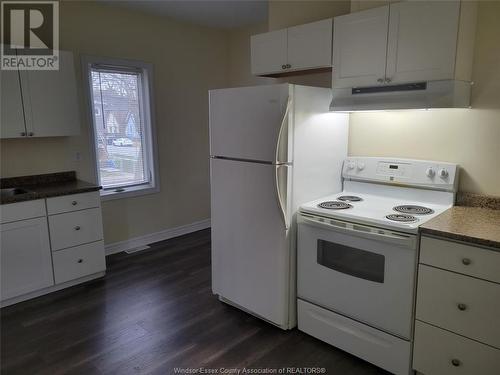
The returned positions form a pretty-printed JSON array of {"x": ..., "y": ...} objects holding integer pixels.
[{"x": 225, "y": 14}]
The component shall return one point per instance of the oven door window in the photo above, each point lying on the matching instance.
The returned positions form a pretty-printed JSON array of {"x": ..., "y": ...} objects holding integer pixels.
[{"x": 351, "y": 261}]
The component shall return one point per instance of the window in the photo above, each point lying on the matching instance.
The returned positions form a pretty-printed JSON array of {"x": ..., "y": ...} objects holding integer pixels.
[{"x": 120, "y": 104}]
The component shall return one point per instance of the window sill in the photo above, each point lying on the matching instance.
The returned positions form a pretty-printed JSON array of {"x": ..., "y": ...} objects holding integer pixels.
[{"x": 129, "y": 192}]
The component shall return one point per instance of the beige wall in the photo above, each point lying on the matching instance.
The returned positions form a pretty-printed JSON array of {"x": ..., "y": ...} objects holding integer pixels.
[
  {"x": 470, "y": 137},
  {"x": 283, "y": 14},
  {"x": 188, "y": 61},
  {"x": 358, "y": 5}
]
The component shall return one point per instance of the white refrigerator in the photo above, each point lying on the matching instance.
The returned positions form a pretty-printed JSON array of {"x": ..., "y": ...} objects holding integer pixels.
[{"x": 272, "y": 148}]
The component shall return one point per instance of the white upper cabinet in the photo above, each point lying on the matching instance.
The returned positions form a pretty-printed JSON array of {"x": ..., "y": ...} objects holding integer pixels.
[
  {"x": 409, "y": 41},
  {"x": 359, "y": 48},
  {"x": 297, "y": 48},
  {"x": 40, "y": 103},
  {"x": 269, "y": 52},
  {"x": 422, "y": 41},
  {"x": 310, "y": 45},
  {"x": 11, "y": 108},
  {"x": 51, "y": 104}
]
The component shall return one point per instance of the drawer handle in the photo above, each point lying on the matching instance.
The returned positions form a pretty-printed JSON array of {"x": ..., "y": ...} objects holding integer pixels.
[
  {"x": 80, "y": 260},
  {"x": 455, "y": 362},
  {"x": 466, "y": 261},
  {"x": 462, "y": 306},
  {"x": 74, "y": 203},
  {"x": 77, "y": 227}
]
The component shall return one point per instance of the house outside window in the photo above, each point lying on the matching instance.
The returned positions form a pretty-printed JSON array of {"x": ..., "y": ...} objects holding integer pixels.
[{"x": 120, "y": 102}]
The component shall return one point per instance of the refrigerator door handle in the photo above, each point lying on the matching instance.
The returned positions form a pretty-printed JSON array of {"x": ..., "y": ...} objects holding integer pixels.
[
  {"x": 280, "y": 133},
  {"x": 278, "y": 194}
]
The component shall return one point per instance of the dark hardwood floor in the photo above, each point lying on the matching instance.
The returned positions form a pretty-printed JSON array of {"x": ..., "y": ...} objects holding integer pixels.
[{"x": 152, "y": 313}]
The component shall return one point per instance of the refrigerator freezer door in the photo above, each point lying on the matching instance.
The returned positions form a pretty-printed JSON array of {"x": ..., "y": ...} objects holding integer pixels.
[
  {"x": 246, "y": 122},
  {"x": 250, "y": 249}
]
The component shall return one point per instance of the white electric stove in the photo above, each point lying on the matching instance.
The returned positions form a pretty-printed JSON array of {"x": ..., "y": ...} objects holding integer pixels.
[{"x": 357, "y": 255}]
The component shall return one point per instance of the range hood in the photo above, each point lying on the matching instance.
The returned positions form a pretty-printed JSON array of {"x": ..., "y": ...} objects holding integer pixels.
[{"x": 416, "y": 95}]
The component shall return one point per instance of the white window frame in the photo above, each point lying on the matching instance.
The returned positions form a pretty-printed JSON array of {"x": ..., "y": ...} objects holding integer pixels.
[{"x": 149, "y": 125}]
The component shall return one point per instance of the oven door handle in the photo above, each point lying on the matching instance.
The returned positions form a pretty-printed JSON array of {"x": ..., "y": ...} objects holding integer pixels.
[{"x": 406, "y": 240}]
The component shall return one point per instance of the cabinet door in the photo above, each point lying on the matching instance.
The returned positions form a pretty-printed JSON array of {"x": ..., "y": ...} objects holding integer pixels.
[
  {"x": 269, "y": 52},
  {"x": 50, "y": 99},
  {"x": 359, "y": 48},
  {"x": 11, "y": 107},
  {"x": 310, "y": 45},
  {"x": 26, "y": 262},
  {"x": 422, "y": 40}
]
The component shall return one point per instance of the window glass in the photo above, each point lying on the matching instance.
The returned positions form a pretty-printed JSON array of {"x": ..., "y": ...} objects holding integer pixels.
[
  {"x": 351, "y": 261},
  {"x": 119, "y": 128}
]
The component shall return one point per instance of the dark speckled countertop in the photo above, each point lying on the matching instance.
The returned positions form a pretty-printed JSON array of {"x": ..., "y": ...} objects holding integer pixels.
[
  {"x": 45, "y": 186},
  {"x": 475, "y": 225}
]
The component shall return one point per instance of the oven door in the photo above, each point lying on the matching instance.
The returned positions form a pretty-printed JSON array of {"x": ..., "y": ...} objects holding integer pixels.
[{"x": 359, "y": 271}]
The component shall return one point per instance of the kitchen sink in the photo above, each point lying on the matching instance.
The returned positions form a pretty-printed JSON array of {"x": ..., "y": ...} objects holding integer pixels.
[{"x": 10, "y": 192}]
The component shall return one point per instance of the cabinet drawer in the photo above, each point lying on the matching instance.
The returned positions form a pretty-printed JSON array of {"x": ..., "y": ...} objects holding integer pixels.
[
  {"x": 22, "y": 210},
  {"x": 75, "y": 228},
  {"x": 384, "y": 350},
  {"x": 462, "y": 258},
  {"x": 459, "y": 303},
  {"x": 78, "y": 261},
  {"x": 435, "y": 349},
  {"x": 73, "y": 202}
]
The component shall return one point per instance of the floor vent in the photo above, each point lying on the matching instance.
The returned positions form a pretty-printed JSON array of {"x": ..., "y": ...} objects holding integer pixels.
[{"x": 136, "y": 249}]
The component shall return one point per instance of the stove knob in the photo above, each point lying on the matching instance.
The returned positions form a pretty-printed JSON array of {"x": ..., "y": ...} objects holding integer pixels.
[
  {"x": 443, "y": 173},
  {"x": 430, "y": 172},
  {"x": 351, "y": 165},
  {"x": 361, "y": 166}
]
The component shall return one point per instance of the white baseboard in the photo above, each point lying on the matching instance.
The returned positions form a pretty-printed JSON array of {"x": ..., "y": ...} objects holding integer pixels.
[{"x": 118, "y": 247}]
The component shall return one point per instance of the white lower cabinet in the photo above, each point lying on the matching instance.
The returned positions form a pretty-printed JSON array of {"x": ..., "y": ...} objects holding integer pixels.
[
  {"x": 441, "y": 352},
  {"x": 78, "y": 261},
  {"x": 75, "y": 228},
  {"x": 26, "y": 263},
  {"x": 31, "y": 263},
  {"x": 458, "y": 303},
  {"x": 457, "y": 309}
]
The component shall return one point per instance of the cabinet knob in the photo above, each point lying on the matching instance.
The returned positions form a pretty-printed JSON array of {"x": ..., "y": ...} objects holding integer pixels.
[
  {"x": 31, "y": 134},
  {"x": 388, "y": 80},
  {"x": 23, "y": 134},
  {"x": 380, "y": 80},
  {"x": 74, "y": 203},
  {"x": 462, "y": 306},
  {"x": 283, "y": 66},
  {"x": 77, "y": 227},
  {"x": 80, "y": 260},
  {"x": 466, "y": 261},
  {"x": 288, "y": 66},
  {"x": 455, "y": 362}
]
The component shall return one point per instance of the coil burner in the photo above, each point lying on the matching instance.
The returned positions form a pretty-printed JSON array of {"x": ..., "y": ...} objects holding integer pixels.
[
  {"x": 349, "y": 198},
  {"x": 402, "y": 218},
  {"x": 413, "y": 210},
  {"x": 334, "y": 205}
]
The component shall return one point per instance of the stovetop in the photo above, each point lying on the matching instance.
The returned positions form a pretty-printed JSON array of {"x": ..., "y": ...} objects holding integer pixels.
[
  {"x": 379, "y": 203},
  {"x": 397, "y": 194}
]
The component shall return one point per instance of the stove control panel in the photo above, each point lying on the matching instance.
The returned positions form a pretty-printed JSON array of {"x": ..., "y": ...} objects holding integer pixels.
[
  {"x": 418, "y": 173},
  {"x": 393, "y": 169}
]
